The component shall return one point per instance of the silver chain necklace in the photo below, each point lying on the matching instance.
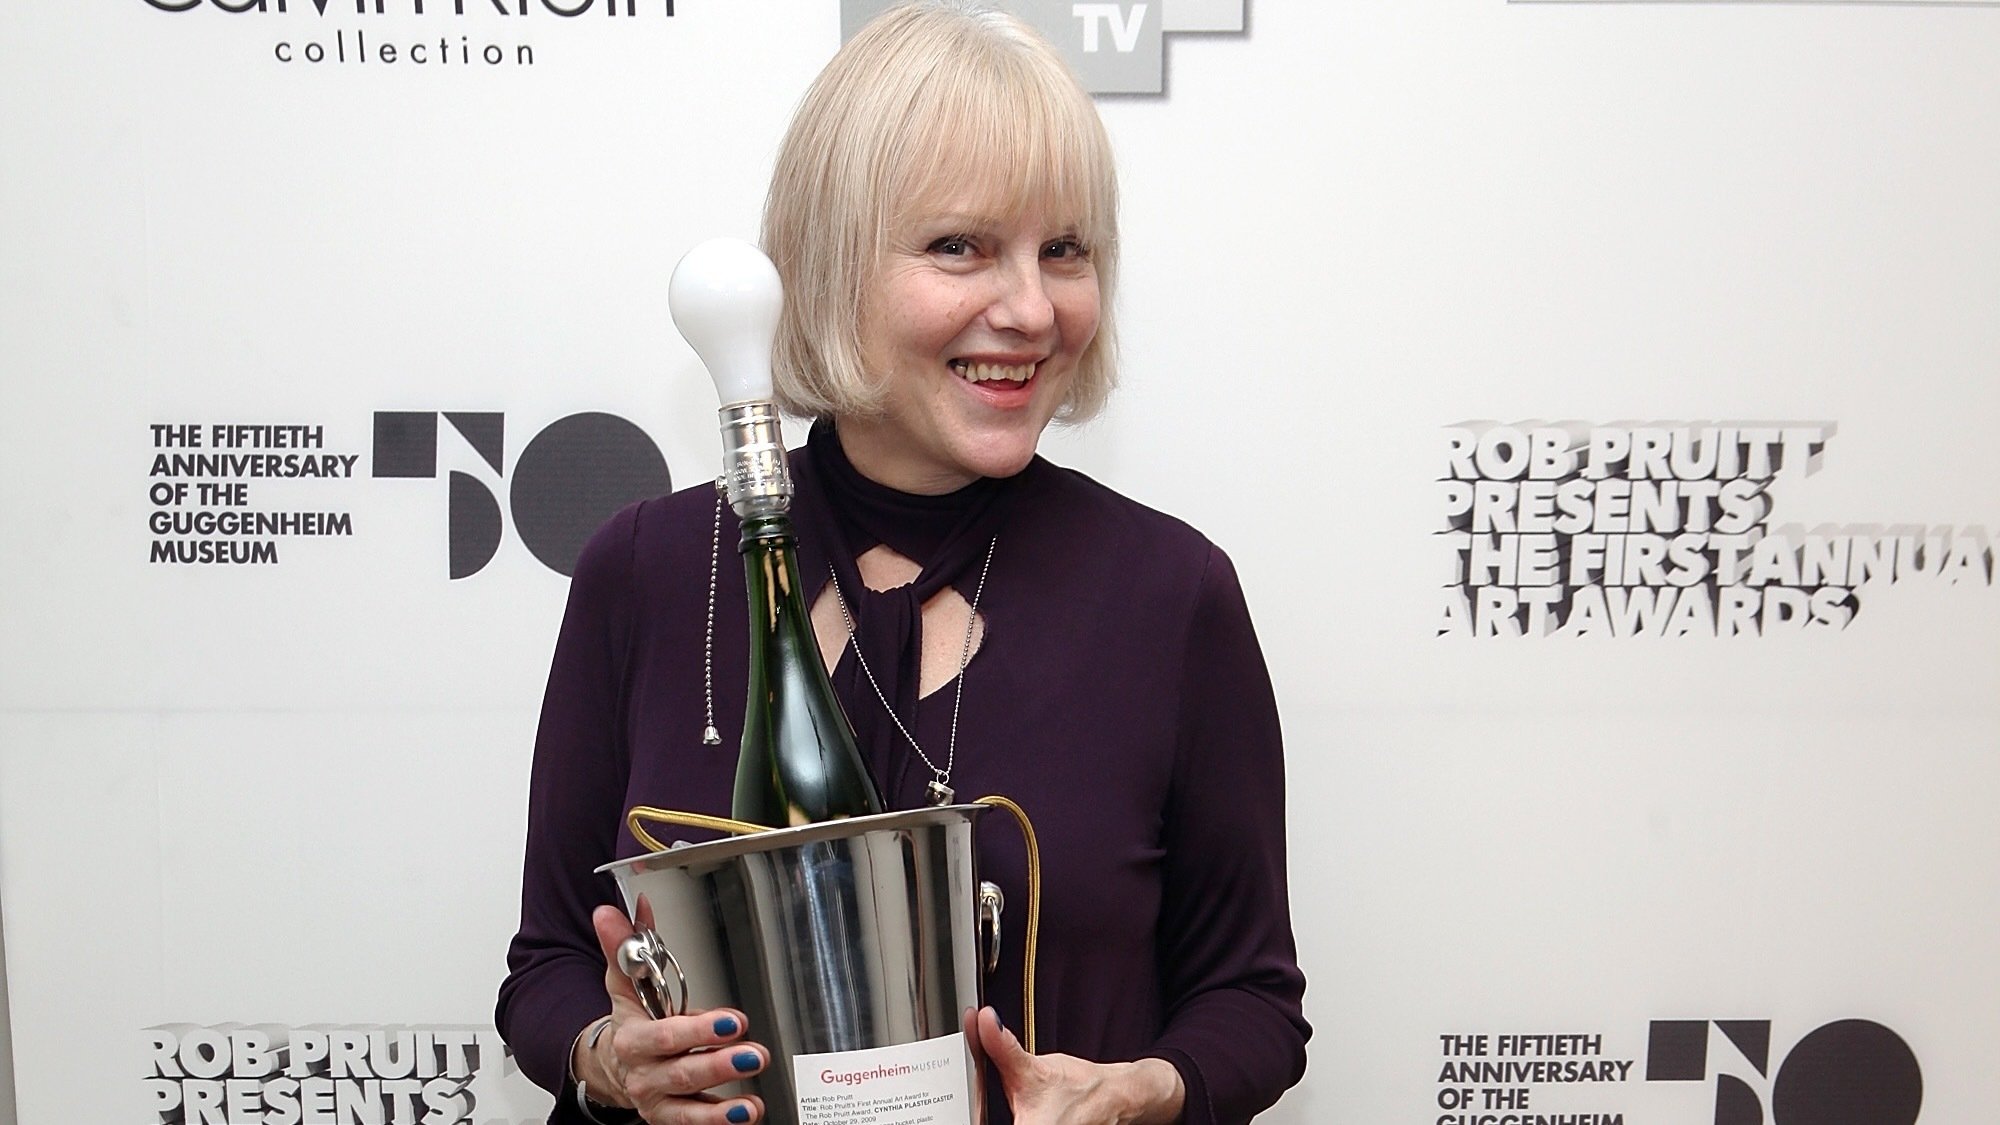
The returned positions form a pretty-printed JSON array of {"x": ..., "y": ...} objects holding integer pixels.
[{"x": 939, "y": 791}]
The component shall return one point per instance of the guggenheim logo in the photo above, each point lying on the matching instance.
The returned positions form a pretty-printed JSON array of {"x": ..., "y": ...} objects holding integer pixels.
[
  {"x": 568, "y": 479},
  {"x": 1849, "y": 1072}
]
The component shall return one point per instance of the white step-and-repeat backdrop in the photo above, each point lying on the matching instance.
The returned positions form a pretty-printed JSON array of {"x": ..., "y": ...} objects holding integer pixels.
[{"x": 1599, "y": 401}]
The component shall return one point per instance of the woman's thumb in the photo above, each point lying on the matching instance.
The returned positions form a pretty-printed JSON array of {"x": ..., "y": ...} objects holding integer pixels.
[
  {"x": 612, "y": 929},
  {"x": 1010, "y": 1058}
]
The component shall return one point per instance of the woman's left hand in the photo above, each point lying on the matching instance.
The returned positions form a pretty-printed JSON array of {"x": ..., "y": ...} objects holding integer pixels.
[{"x": 1058, "y": 1089}]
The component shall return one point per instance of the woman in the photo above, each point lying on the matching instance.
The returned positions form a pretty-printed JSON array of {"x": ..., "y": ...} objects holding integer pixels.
[{"x": 943, "y": 214}]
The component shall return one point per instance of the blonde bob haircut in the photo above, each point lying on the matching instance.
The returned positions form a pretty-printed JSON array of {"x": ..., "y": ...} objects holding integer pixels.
[{"x": 929, "y": 98}]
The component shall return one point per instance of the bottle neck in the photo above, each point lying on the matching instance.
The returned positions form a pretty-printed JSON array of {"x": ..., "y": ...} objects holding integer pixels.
[
  {"x": 769, "y": 547},
  {"x": 767, "y": 531}
]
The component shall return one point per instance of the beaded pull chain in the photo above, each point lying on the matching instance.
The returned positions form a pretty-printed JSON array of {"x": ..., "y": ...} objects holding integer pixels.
[{"x": 709, "y": 735}]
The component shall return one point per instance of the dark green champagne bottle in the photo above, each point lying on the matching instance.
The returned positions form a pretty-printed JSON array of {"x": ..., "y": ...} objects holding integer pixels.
[{"x": 799, "y": 762}]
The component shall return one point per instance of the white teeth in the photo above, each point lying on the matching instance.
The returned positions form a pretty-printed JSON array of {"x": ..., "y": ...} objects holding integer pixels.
[{"x": 986, "y": 372}]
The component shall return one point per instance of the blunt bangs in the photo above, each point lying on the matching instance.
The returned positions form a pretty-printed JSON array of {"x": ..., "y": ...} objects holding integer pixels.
[{"x": 1001, "y": 144}]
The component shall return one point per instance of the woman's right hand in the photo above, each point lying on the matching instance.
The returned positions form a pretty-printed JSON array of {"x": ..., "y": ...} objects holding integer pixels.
[{"x": 662, "y": 1067}]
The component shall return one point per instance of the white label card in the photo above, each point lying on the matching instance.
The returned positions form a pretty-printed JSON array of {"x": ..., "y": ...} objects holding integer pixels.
[{"x": 912, "y": 1084}]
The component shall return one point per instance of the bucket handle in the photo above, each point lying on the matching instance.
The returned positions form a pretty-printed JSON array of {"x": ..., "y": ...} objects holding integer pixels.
[
  {"x": 645, "y": 960},
  {"x": 991, "y": 904},
  {"x": 635, "y": 821}
]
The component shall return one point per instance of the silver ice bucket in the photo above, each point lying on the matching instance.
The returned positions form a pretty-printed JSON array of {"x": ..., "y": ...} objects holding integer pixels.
[{"x": 854, "y": 946}]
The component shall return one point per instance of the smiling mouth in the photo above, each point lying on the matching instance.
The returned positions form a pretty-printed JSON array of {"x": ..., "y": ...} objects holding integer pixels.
[{"x": 989, "y": 372}]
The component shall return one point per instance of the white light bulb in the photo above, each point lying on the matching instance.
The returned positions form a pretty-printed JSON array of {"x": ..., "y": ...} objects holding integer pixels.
[{"x": 725, "y": 297}]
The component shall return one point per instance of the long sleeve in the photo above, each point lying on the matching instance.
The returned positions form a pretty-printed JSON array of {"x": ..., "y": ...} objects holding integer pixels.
[
  {"x": 555, "y": 983},
  {"x": 1231, "y": 980}
]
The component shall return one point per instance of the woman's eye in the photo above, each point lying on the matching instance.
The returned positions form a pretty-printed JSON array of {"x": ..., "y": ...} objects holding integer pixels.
[
  {"x": 954, "y": 245},
  {"x": 1064, "y": 248}
]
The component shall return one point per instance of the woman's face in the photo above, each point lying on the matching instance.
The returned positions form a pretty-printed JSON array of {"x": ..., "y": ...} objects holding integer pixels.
[{"x": 974, "y": 324}]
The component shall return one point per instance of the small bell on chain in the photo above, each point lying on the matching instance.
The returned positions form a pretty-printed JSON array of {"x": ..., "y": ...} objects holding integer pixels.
[
  {"x": 937, "y": 792},
  {"x": 709, "y": 736}
]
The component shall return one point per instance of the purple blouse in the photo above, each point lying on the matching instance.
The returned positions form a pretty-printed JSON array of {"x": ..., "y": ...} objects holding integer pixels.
[{"x": 1119, "y": 695}]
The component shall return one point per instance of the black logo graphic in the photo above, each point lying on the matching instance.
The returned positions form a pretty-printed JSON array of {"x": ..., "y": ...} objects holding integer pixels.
[
  {"x": 501, "y": 8},
  {"x": 390, "y": 36},
  {"x": 569, "y": 479},
  {"x": 1849, "y": 1072}
]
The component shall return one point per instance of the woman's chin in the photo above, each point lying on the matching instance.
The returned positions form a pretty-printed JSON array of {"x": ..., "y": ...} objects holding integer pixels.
[
  {"x": 999, "y": 446},
  {"x": 1002, "y": 458}
]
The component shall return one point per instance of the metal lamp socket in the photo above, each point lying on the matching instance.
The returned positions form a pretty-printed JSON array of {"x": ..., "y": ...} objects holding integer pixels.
[{"x": 755, "y": 475}]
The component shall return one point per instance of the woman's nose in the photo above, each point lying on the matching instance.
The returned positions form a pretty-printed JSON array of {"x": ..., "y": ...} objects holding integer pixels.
[{"x": 1021, "y": 301}]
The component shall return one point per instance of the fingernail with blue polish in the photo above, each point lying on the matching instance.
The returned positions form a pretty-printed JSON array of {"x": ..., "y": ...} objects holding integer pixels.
[
  {"x": 738, "y": 1114},
  {"x": 725, "y": 1025},
  {"x": 745, "y": 1061}
]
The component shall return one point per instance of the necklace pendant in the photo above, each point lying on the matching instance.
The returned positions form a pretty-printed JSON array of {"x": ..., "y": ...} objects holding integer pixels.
[
  {"x": 710, "y": 737},
  {"x": 938, "y": 793}
]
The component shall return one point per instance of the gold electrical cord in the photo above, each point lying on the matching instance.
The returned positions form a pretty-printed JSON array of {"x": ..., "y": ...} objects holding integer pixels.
[
  {"x": 642, "y": 813},
  {"x": 639, "y": 814},
  {"x": 1034, "y": 915}
]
